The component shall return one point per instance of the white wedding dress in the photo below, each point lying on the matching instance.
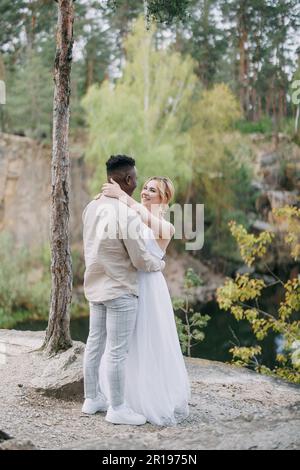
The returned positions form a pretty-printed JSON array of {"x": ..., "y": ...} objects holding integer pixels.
[{"x": 157, "y": 384}]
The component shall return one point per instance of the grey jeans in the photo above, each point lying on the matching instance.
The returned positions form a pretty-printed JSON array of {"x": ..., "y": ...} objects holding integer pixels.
[{"x": 111, "y": 324}]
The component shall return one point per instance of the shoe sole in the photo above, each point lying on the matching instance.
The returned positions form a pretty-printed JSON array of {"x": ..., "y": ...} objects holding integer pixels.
[
  {"x": 122, "y": 422},
  {"x": 101, "y": 410}
]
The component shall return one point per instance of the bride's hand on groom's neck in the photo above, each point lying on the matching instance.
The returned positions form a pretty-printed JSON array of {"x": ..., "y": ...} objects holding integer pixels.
[{"x": 113, "y": 189}]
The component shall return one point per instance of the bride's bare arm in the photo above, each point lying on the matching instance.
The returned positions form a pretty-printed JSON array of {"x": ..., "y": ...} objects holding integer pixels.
[{"x": 161, "y": 228}]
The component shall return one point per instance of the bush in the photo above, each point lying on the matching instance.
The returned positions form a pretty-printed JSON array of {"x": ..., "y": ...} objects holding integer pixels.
[
  {"x": 241, "y": 297},
  {"x": 24, "y": 284},
  {"x": 190, "y": 329},
  {"x": 263, "y": 126}
]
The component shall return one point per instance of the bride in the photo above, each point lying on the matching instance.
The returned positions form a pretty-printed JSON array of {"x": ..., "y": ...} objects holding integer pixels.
[{"x": 157, "y": 384}]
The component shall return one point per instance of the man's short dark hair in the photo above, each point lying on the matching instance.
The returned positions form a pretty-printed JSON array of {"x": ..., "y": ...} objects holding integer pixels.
[{"x": 119, "y": 162}]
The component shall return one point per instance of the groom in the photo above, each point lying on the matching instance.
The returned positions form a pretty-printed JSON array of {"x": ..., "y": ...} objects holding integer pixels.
[{"x": 111, "y": 287}]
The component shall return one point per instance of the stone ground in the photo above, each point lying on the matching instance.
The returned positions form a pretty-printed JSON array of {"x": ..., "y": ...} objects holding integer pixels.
[{"x": 230, "y": 408}]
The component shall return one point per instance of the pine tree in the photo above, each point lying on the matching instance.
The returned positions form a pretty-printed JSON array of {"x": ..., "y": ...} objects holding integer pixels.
[
  {"x": 29, "y": 98},
  {"x": 205, "y": 40},
  {"x": 58, "y": 331},
  {"x": 259, "y": 33}
]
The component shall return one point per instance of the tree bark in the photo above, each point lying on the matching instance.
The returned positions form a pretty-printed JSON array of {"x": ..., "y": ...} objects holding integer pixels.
[
  {"x": 259, "y": 115},
  {"x": 297, "y": 119},
  {"x": 243, "y": 61},
  {"x": 58, "y": 332}
]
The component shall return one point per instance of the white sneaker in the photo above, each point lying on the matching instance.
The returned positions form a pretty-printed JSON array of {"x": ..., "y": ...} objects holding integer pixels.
[
  {"x": 92, "y": 405},
  {"x": 124, "y": 415}
]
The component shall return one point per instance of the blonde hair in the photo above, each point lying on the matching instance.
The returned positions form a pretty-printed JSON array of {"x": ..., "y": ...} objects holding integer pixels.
[{"x": 165, "y": 188}]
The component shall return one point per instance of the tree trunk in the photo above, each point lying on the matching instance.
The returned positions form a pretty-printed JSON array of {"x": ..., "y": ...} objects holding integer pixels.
[
  {"x": 280, "y": 105},
  {"x": 2, "y": 78},
  {"x": 254, "y": 102},
  {"x": 243, "y": 61},
  {"x": 58, "y": 332},
  {"x": 146, "y": 74},
  {"x": 275, "y": 120},
  {"x": 89, "y": 73},
  {"x": 297, "y": 119},
  {"x": 259, "y": 115}
]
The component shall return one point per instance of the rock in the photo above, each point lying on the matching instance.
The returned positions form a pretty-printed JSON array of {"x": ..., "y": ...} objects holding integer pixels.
[
  {"x": 177, "y": 264},
  {"x": 13, "y": 342},
  {"x": 277, "y": 170},
  {"x": 63, "y": 374},
  {"x": 245, "y": 269},
  {"x": 279, "y": 252},
  {"x": 9, "y": 443},
  {"x": 258, "y": 185},
  {"x": 4, "y": 436},
  {"x": 268, "y": 159},
  {"x": 60, "y": 376},
  {"x": 25, "y": 194},
  {"x": 278, "y": 198},
  {"x": 261, "y": 226},
  {"x": 16, "y": 444}
]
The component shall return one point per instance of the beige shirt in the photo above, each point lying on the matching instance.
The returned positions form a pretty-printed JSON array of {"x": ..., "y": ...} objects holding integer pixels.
[{"x": 114, "y": 249}]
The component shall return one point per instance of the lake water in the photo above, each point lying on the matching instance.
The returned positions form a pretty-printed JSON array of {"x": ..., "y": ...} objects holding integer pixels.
[{"x": 222, "y": 333}]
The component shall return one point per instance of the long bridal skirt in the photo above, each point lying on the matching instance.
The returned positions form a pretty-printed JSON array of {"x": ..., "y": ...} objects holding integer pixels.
[{"x": 157, "y": 384}]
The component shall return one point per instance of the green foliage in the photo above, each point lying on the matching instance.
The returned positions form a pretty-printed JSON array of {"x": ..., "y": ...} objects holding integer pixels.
[
  {"x": 164, "y": 11},
  {"x": 251, "y": 246},
  {"x": 256, "y": 33},
  {"x": 236, "y": 293},
  {"x": 191, "y": 280},
  {"x": 153, "y": 98},
  {"x": 24, "y": 284},
  {"x": 10, "y": 21},
  {"x": 30, "y": 94},
  {"x": 208, "y": 42},
  {"x": 245, "y": 355},
  {"x": 262, "y": 126},
  {"x": 223, "y": 38},
  {"x": 221, "y": 159},
  {"x": 218, "y": 111},
  {"x": 190, "y": 329},
  {"x": 35, "y": 20}
]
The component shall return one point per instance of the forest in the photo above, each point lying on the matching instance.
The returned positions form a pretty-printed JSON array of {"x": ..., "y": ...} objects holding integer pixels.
[{"x": 206, "y": 92}]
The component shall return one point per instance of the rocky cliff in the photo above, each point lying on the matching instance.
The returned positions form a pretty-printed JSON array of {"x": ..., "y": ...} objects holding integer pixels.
[
  {"x": 25, "y": 188},
  {"x": 276, "y": 176}
]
